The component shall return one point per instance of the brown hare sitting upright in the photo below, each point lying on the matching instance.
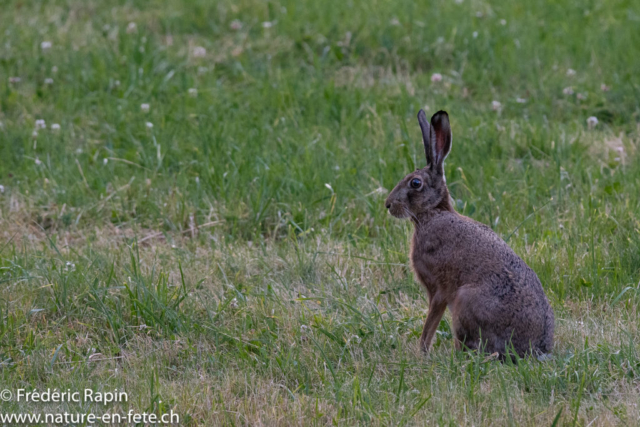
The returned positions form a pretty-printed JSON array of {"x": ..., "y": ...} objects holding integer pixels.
[{"x": 496, "y": 300}]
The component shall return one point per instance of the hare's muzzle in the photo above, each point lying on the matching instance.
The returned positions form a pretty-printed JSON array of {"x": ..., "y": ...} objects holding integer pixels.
[
  {"x": 392, "y": 205},
  {"x": 396, "y": 209}
]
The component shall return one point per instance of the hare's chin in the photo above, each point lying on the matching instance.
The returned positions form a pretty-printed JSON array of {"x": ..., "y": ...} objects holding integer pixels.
[{"x": 398, "y": 212}]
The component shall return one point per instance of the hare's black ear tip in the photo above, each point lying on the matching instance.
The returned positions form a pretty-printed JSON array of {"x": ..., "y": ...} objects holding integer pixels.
[{"x": 440, "y": 115}]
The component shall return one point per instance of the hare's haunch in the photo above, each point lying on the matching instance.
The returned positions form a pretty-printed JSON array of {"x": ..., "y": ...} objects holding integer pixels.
[{"x": 496, "y": 301}]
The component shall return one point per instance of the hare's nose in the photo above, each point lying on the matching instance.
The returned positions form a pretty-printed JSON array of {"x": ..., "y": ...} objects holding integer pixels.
[{"x": 388, "y": 205}]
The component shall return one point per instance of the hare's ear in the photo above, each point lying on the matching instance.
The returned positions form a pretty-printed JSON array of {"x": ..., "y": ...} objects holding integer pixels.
[
  {"x": 442, "y": 139},
  {"x": 427, "y": 138}
]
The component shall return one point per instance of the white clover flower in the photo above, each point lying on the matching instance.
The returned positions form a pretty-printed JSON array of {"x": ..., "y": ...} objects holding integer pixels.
[
  {"x": 496, "y": 105},
  {"x": 571, "y": 72},
  {"x": 267, "y": 24},
  {"x": 40, "y": 124},
  {"x": 116, "y": 83},
  {"x": 378, "y": 191},
  {"x": 235, "y": 25},
  {"x": 149, "y": 125},
  {"x": 105, "y": 161},
  {"x": 45, "y": 45},
  {"x": 303, "y": 328},
  {"x": 132, "y": 28},
  {"x": 199, "y": 52},
  {"x": 475, "y": 34},
  {"x": 34, "y": 133},
  {"x": 436, "y": 77},
  {"x": 604, "y": 87},
  {"x": 395, "y": 22},
  {"x": 197, "y": 180},
  {"x": 503, "y": 22},
  {"x": 55, "y": 127},
  {"x": 38, "y": 161},
  {"x": 581, "y": 96},
  {"x": 144, "y": 108},
  {"x": 48, "y": 81},
  {"x": 69, "y": 266},
  {"x": 568, "y": 90},
  {"x": 54, "y": 69},
  {"x": 1, "y": 188},
  {"x": 521, "y": 100},
  {"x": 14, "y": 79},
  {"x": 234, "y": 303},
  {"x": 193, "y": 92},
  {"x": 592, "y": 122}
]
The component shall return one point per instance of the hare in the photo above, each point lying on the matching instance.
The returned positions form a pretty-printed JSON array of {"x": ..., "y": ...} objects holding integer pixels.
[{"x": 496, "y": 301}]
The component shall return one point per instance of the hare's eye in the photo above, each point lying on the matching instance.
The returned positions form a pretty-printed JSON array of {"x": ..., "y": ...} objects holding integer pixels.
[{"x": 415, "y": 183}]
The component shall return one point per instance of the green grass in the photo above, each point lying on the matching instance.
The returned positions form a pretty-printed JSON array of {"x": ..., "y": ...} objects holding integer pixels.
[{"x": 235, "y": 263}]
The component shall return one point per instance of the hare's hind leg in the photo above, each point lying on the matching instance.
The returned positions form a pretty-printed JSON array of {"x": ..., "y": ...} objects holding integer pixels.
[
  {"x": 464, "y": 321},
  {"x": 437, "y": 306},
  {"x": 464, "y": 338},
  {"x": 479, "y": 324}
]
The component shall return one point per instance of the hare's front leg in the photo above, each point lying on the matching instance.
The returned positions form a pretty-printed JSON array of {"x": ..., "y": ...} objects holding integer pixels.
[{"x": 437, "y": 306}]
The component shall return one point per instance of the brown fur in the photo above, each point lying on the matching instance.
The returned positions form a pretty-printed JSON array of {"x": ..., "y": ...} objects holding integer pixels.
[{"x": 495, "y": 299}]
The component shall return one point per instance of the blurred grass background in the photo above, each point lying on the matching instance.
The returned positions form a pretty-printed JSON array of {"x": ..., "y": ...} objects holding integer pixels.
[{"x": 273, "y": 133}]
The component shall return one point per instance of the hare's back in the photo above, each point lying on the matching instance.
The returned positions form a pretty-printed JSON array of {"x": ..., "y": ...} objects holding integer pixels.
[
  {"x": 462, "y": 251},
  {"x": 471, "y": 242}
]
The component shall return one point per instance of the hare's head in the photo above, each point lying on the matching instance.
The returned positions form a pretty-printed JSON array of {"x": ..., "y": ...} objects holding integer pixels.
[{"x": 425, "y": 189}]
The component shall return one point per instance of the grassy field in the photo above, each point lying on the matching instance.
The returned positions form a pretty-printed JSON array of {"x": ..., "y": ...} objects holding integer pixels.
[{"x": 192, "y": 206}]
